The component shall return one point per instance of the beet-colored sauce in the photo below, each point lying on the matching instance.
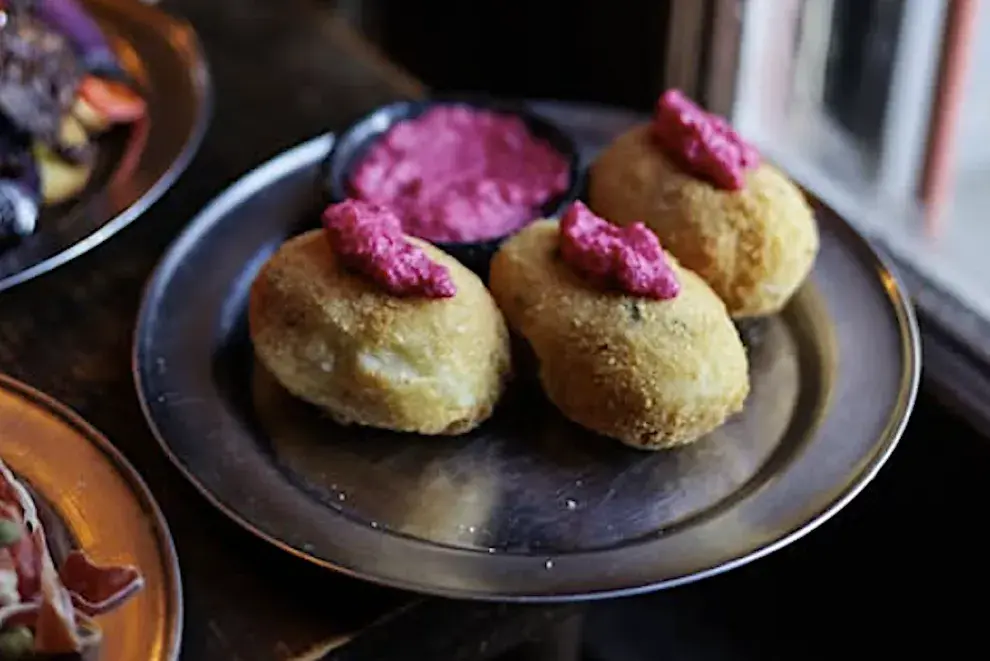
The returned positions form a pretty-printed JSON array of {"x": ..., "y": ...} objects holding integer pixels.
[
  {"x": 701, "y": 143},
  {"x": 369, "y": 239},
  {"x": 459, "y": 175},
  {"x": 629, "y": 258}
]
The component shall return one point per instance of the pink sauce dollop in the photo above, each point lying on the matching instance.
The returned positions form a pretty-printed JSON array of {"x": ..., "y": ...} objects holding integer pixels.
[
  {"x": 626, "y": 258},
  {"x": 702, "y": 144},
  {"x": 368, "y": 239},
  {"x": 459, "y": 175}
]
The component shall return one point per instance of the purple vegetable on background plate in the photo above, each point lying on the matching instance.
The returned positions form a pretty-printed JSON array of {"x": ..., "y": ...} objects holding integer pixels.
[
  {"x": 39, "y": 74},
  {"x": 69, "y": 18}
]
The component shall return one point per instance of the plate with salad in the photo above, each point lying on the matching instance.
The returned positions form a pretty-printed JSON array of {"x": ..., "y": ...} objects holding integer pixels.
[
  {"x": 88, "y": 569},
  {"x": 102, "y": 105}
]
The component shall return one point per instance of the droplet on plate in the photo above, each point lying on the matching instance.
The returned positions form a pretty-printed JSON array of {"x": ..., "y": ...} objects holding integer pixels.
[
  {"x": 571, "y": 504},
  {"x": 548, "y": 564}
]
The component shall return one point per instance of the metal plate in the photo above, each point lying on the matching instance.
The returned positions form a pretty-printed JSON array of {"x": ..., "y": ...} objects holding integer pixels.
[
  {"x": 529, "y": 507},
  {"x": 100, "y": 503},
  {"x": 135, "y": 164}
]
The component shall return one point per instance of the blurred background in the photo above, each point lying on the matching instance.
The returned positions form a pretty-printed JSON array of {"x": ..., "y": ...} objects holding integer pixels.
[{"x": 878, "y": 106}]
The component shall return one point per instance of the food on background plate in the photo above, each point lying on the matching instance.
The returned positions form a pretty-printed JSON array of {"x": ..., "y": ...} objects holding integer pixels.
[
  {"x": 458, "y": 174},
  {"x": 46, "y": 611},
  {"x": 739, "y": 223},
  {"x": 630, "y": 344},
  {"x": 101, "y": 103},
  {"x": 20, "y": 182},
  {"x": 63, "y": 179},
  {"x": 60, "y": 86},
  {"x": 379, "y": 328}
]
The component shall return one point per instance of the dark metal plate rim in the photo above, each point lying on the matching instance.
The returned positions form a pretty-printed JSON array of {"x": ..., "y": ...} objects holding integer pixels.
[{"x": 243, "y": 188}]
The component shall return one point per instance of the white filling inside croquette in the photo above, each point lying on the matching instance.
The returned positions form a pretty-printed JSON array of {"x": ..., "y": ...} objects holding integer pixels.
[
  {"x": 393, "y": 368},
  {"x": 388, "y": 365}
]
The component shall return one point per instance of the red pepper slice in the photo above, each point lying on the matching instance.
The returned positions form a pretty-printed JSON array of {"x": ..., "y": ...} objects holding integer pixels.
[{"x": 116, "y": 101}]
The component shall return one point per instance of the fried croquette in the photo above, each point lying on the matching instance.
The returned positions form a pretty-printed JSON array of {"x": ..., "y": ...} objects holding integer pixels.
[
  {"x": 652, "y": 374},
  {"x": 336, "y": 340},
  {"x": 754, "y": 246}
]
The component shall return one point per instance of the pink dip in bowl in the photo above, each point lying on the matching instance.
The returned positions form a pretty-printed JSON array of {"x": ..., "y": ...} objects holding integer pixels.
[{"x": 460, "y": 175}]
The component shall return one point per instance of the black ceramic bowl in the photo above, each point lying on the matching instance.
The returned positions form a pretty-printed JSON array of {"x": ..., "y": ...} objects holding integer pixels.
[{"x": 352, "y": 144}]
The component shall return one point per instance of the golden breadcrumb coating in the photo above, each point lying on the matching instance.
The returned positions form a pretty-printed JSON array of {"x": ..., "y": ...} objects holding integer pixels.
[
  {"x": 754, "y": 247},
  {"x": 652, "y": 374},
  {"x": 335, "y": 339}
]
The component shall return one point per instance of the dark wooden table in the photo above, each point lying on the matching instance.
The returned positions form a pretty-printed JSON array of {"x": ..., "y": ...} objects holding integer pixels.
[{"x": 283, "y": 71}]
